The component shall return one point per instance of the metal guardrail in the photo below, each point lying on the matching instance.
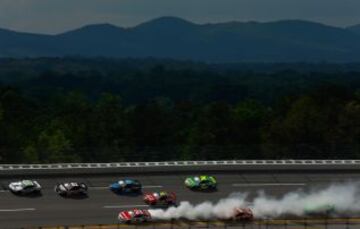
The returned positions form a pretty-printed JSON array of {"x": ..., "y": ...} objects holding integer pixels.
[
  {"x": 178, "y": 167},
  {"x": 176, "y": 164}
]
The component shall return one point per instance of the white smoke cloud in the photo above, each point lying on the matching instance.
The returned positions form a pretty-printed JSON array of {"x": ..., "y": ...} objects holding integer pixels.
[
  {"x": 207, "y": 210},
  {"x": 344, "y": 198}
]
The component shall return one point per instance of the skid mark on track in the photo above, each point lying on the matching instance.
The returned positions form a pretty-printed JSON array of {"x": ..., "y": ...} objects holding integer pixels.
[
  {"x": 145, "y": 187},
  {"x": 17, "y": 210},
  {"x": 125, "y": 206},
  {"x": 268, "y": 184}
]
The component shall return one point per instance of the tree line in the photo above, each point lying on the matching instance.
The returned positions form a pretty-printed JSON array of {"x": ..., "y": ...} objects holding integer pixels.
[
  {"x": 322, "y": 124},
  {"x": 181, "y": 115}
]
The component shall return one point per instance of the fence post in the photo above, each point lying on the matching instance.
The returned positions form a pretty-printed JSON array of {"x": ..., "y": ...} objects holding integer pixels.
[
  {"x": 326, "y": 223},
  {"x": 267, "y": 223}
]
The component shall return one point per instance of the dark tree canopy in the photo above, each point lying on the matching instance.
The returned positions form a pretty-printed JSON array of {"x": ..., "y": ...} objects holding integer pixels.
[{"x": 91, "y": 110}]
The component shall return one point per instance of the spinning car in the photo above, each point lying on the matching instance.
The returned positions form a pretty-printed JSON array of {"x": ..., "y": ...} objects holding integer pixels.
[
  {"x": 324, "y": 209},
  {"x": 160, "y": 198},
  {"x": 243, "y": 214},
  {"x": 134, "y": 216},
  {"x": 201, "y": 182},
  {"x": 25, "y": 187},
  {"x": 126, "y": 186},
  {"x": 72, "y": 188}
]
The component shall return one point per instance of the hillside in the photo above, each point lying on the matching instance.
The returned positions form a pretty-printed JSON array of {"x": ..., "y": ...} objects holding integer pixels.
[{"x": 169, "y": 37}]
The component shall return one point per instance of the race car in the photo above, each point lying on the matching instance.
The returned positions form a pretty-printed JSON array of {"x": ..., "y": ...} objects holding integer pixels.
[
  {"x": 160, "y": 198},
  {"x": 25, "y": 187},
  {"x": 201, "y": 183},
  {"x": 134, "y": 216},
  {"x": 70, "y": 189},
  {"x": 323, "y": 209},
  {"x": 126, "y": 186},
  {"x": 243, "y": 214}
]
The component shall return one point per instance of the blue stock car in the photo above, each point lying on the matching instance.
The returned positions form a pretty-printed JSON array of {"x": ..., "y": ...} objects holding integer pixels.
[{"x": 126, "y": 186}]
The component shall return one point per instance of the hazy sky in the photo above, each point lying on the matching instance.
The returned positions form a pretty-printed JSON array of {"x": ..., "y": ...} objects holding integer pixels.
[{"x": 54, "y": 16}]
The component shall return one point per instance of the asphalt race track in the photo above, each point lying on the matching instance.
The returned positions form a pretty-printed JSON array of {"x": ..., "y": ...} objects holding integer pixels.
[{"x": 102, "y": 206}]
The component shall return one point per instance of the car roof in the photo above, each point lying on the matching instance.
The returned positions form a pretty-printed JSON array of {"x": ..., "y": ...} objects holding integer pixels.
[
  {"x": 72, "y": 184},
  {"x": 28, "y": 183},
  {"x": 130, "y": 181}
]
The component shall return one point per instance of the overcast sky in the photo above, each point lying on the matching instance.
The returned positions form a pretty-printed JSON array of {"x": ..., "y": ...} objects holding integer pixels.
[{"x": 55, "y": 16}]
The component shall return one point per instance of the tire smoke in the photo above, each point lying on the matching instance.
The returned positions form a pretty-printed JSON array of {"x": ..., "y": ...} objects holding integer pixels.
[
  {"x": 223, "y": 209},
  {"x": 343, "y": 199}
]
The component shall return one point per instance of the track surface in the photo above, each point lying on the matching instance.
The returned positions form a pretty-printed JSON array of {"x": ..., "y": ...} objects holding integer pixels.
[{"x": 102, "y": 206}]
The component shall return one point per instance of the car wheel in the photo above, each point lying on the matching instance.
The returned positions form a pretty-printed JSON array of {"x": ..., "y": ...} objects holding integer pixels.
[
  {"x": 15, "y": 192},
  {"x": 63, "y": 194}
]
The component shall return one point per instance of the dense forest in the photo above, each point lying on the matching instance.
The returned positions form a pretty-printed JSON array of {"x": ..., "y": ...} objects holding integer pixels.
[{"x": 99, "y": 110}]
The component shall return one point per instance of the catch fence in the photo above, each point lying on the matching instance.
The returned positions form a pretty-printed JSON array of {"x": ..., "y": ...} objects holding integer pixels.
[{"x": 306, "y": 223}]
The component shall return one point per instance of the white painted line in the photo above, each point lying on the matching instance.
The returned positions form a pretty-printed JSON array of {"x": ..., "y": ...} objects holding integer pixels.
[
  {"x": 126, "y": 206},
  {"x": 99, "y": 188},
  {"x": 153, "y": 186},
  {"x": 146, "y": 186},
  {"x": 17, "y": 210},
  {"x": 268, "y": 184},
  {"x": 1, "y": 191}
]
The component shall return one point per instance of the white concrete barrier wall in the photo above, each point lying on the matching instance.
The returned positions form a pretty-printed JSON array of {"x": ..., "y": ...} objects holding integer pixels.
[{"x": 178, "y": 166}]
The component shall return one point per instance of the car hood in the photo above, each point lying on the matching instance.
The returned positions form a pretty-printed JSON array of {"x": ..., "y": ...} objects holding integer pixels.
[
  {"x": 149, "y": 197},
  {"x": 16, "y": 185},
  {"x": 124, "y": 215},
  {"x": 114, "y": 185}
]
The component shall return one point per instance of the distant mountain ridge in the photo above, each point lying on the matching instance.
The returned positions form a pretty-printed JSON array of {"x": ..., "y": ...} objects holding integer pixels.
[
  {"x": 170, "y": 37},
  {"x": 354, "y": 28}
]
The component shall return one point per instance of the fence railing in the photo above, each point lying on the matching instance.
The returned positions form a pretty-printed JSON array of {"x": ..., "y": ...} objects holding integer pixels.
[{"x": 304, "y": 223}]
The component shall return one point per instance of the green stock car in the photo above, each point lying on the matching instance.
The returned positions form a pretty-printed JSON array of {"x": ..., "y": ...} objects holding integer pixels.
[
  {"x": 201, "y": 182},
  {"x": 324, "y": 209}
]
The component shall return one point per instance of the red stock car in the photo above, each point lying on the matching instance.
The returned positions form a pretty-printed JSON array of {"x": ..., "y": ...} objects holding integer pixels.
[
  {"x": 160, "y": 198},
  {"x": 243, "y": 214},
  {"x": 134, "y": 216}
]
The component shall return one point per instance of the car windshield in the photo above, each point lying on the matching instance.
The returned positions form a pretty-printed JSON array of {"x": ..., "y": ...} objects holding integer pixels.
[
  {"x": 27, "y": 184},
  {"x": 75, "y": 188}
]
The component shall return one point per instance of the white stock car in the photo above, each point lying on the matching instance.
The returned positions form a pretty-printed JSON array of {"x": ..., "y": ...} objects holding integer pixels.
[{"x": 25, "y": 187}]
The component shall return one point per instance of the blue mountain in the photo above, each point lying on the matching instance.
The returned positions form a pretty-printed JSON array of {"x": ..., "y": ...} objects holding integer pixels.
[
  {"x": 171, "y": 37},
  {"x": 354, "y": 28}
]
